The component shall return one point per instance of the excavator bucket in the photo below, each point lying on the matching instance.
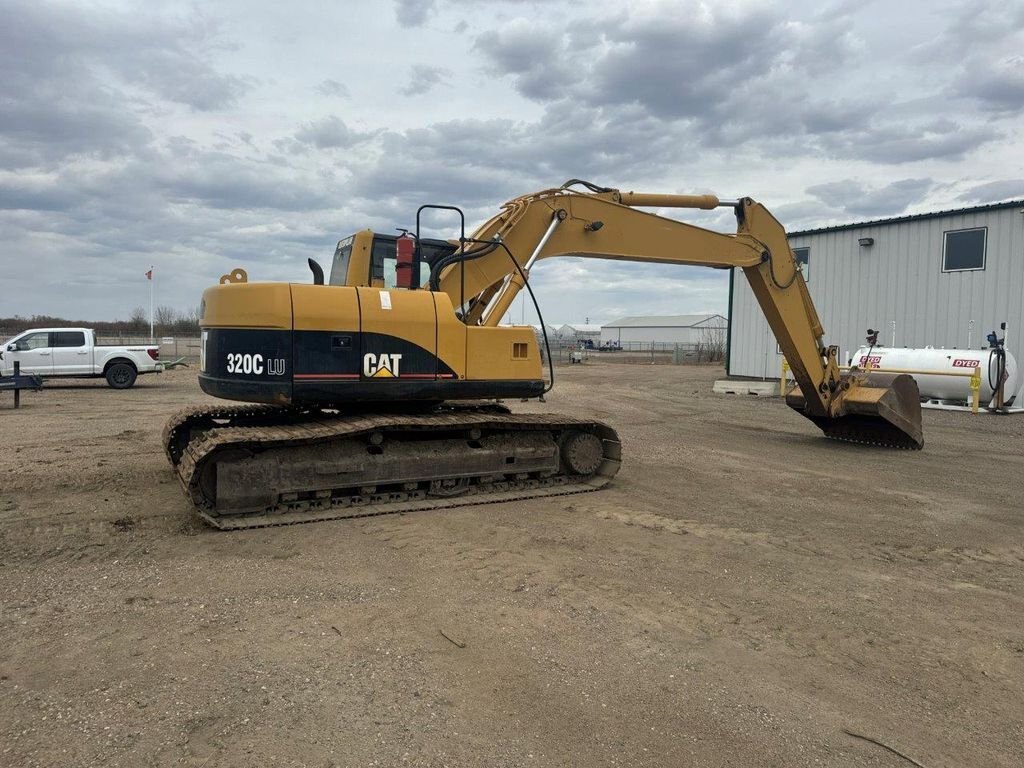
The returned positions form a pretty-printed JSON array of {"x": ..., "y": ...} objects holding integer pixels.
[{"x": 875, "y": 409}]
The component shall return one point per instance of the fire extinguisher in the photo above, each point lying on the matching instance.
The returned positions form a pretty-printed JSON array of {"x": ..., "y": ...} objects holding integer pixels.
[{"x": 405, "y": 249}]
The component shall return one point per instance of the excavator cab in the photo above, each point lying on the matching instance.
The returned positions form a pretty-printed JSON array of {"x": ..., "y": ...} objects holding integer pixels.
[{"x": 374, "y": 260}]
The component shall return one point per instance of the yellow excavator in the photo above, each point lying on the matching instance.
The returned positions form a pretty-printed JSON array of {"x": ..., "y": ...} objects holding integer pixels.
[{"x": 378, "y": 390}]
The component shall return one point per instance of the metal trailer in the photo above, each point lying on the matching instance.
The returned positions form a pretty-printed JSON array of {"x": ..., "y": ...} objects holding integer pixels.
[{"x": 18, "y": 382}]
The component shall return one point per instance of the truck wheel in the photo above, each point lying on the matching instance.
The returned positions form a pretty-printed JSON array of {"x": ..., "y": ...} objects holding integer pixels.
[{"x": 121, "y": 375}]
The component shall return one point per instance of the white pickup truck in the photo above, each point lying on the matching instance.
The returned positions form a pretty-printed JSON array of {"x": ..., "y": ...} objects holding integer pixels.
[{"x": 67, "y": 352}]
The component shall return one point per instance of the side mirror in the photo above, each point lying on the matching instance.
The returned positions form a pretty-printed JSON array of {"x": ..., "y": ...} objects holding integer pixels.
[{"x": 12, "y": 347}]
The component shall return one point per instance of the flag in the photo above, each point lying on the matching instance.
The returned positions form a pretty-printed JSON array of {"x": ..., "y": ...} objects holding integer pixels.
[{"x": 149, "y": 274}]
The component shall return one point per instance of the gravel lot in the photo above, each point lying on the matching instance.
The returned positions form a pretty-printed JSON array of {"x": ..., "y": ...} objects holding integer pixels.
[{"x": 744, "y": 592}]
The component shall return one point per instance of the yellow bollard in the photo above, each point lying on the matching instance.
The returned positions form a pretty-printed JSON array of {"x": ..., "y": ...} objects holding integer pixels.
[
  {"x": 782, "y": 378},
  {"x": 975, "y": 389}
]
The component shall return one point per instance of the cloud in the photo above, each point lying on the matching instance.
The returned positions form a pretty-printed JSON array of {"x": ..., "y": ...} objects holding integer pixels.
[
  {"x": 180, "y": 76},
  {"x": 200, "y": 139},
  {"x": 676, "y": 61},
  {"x": 413, "y": 13},
  {"x": 329, "y": 133},
  {"x": 536, "y": 58},
  {"x": 76, "y": 81},
  {"x": 333, "y": 88},
  {"x": 805, "y": 214},
  {"x": 984, "y": 40},
  {"x": 39, "y": 129},
  {"x": 678, "y": 66},
  {"x": 478, "y": 163},
  {"x": 995, "y": 191},
  {"x": 423, "y": 78},
  {"x": 725, "y": 75},
  {"x": 892, "y": 142},
  {"x": 998, "y": 85},
  {"x": 853, "y": 198},
  {"x": 221, "y": 180}
]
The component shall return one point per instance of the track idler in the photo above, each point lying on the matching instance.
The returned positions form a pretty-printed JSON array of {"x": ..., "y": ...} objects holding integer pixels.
[{"x": 875, "y": 409}]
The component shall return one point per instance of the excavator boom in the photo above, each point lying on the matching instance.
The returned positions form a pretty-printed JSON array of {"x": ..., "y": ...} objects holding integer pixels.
[{"x": 606, "y": 224}]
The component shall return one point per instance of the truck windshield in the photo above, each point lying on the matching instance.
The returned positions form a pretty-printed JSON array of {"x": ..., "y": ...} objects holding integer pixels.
[{"x": 339, "y": 267}]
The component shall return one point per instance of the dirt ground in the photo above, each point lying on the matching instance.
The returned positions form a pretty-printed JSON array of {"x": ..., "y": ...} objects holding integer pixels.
[{"x": 744, "y": 592}]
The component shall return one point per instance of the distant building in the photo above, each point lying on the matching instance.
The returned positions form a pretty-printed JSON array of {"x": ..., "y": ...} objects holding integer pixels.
[
  {"x": 643, "y": 332},
  {"x": 942, "y": 279},
  {"x": 579, "y": 332},
  {"x": 552, "y": 334}
]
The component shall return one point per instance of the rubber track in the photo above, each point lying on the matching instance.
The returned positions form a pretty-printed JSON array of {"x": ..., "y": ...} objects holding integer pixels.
[
  {"x": 195, "y": 416},
  {"x": 258, "y": 426}
]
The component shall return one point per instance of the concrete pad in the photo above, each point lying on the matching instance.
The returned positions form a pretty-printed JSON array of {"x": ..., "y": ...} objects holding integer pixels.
[{"x": 759, "y": 388}]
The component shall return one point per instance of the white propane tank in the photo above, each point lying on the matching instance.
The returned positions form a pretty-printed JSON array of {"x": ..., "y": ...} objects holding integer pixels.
[{"x": 950, "y": 388}]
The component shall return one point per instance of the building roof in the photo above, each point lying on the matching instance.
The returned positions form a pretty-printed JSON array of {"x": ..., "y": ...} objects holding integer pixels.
[
  {"x": 582, "y": 327},
  {"x": 913, "y": 217},
  {"x": 664, "y": 321}
]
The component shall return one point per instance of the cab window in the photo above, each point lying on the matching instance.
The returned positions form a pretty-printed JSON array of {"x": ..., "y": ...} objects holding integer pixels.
[
  {"x": 68, "y": 339},
  {"x": 384, "y": 264},
  {"x": 34, "y": 341},
  {"x": 339, "y": 267}
]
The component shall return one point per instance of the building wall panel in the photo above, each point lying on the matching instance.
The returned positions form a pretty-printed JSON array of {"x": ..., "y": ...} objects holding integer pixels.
[{"x": 898, "y": 279}]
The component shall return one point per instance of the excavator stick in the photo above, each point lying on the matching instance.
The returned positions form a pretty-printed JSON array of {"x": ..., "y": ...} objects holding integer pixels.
[{"x": 874, "y": 409}]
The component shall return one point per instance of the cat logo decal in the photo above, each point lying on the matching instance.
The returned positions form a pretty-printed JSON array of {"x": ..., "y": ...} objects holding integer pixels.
[{"x": 383, "y": 366}]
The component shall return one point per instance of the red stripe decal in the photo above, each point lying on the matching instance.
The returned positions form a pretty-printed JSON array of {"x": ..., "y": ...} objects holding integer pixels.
[
  {"x": 327, "y": 376},
  {"x": 356, "y": 376}
]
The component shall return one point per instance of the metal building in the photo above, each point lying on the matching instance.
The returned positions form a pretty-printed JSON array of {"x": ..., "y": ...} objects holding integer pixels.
[
  {"x": 575, "y": 332},
  {"x": 664, "y": 329},
  {"x": 942, "y": 279}
]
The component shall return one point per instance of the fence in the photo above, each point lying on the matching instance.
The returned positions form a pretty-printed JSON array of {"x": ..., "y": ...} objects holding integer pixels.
[
  {"x": 171, "y": 347},
  {"x": 187, "y": 347},
  {"x": 636, "y": 352}
]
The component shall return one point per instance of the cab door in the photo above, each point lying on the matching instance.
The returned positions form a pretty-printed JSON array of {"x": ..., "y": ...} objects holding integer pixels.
[
  {"x": 34, "y": 353},
  {"x": 71, "y": 356}
]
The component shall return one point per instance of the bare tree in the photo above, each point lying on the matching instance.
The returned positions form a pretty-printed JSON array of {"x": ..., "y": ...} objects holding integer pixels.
[
  {"x": 187, "y": 322},
  {"x": 138, "y": 320},
  {"x": 711, "y": 345},
  {"x": 164, "y": 317}
]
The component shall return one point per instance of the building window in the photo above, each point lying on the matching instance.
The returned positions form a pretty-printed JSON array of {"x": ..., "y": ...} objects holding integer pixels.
[
  {"x": 803, "y": 258},
  {"x": 964, "y": 249}
]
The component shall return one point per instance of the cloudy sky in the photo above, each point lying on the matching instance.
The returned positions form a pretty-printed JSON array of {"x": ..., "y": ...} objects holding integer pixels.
[{"x": 252, "y": 133}]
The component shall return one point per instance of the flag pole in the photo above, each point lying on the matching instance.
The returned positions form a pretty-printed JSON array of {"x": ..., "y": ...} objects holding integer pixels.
[{"x": 151, "y": 281}]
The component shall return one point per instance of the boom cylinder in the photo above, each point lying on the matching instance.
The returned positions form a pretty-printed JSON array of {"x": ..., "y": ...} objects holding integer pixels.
[
  {"x": 648, "y": 200},
  {"x": 513, "y": 282}
]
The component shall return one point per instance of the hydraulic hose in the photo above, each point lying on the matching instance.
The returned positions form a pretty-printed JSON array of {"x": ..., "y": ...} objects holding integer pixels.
[
  {"x": 457, "y": 257},
  {"x": 1000, "y": 358},
  {"x": 589, "y": 185},
  {"x": 536, "y": 306}
]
